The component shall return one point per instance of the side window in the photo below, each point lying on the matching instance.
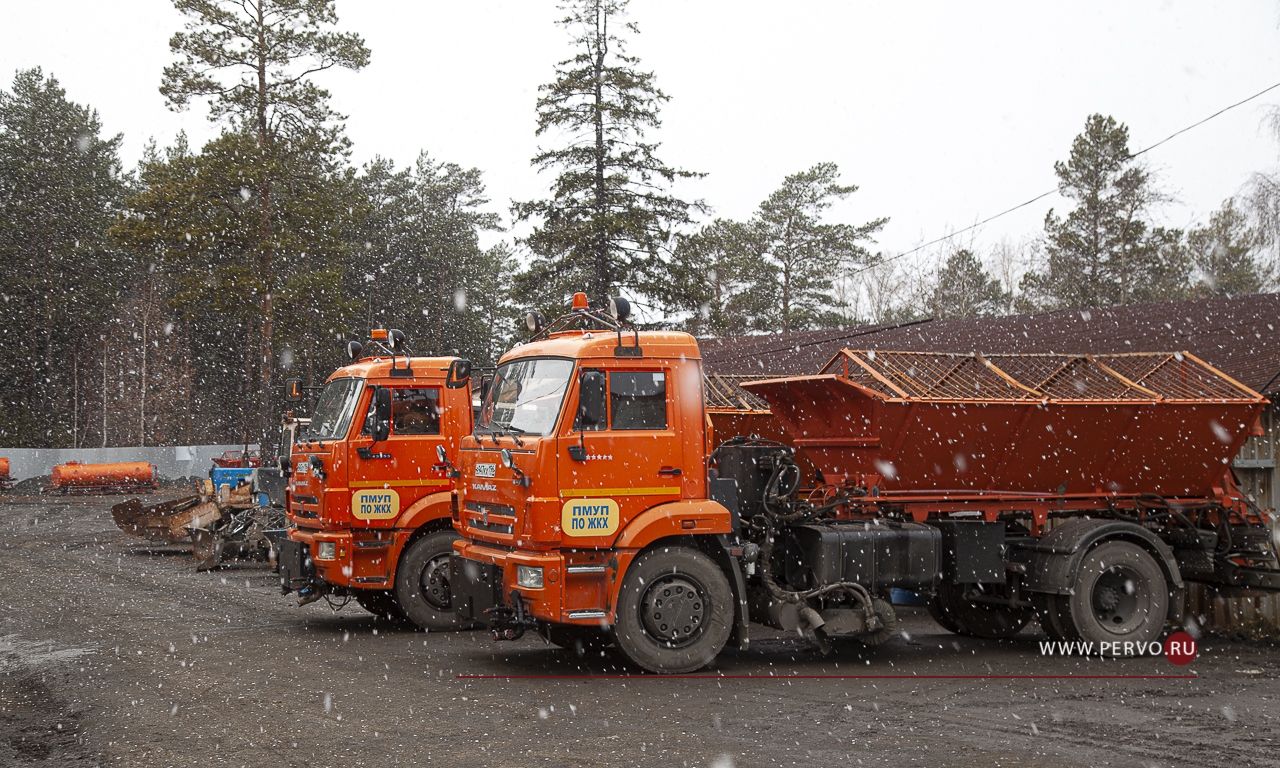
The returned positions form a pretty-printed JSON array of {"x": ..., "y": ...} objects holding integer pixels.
[
  {"x": 638, "y": 399},
  {"x": 415, "y": 411}
]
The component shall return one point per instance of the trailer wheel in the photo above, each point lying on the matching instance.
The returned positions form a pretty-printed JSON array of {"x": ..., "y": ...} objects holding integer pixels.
[
  {"x": 381, "y": 603},
  {"x": 422, "y": 582},
  {"x": 1120, "y": 595},
  {"x": 951, "y": 608},
  {"x": 675, "y": 610}
]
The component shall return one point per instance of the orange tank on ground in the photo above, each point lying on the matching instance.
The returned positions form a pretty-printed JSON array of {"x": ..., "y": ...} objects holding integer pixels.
[{"x": 117, "y": 477}]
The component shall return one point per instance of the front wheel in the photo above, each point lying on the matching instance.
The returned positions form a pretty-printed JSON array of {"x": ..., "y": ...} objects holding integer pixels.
[
  {"x": 675, "y": 610},
  {"x": 422, "y": 582}
]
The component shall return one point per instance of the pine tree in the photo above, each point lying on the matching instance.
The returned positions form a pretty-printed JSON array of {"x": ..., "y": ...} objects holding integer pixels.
[
  {"x": 196, "y": 218},
  {"x": 711, "y": 273},
  {"x": 1106, "y": 251},
  {"x": 253, "y": 60},
  {"x": 1224, "y": 254},
  {"x": 610, "y": 215},
  {"x": 963, "y": 289},
  {"x": 60, "y": 183},
  {"x": 802, "y": 253}
]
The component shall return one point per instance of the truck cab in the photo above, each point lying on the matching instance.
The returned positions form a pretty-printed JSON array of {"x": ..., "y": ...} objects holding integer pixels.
[
  {"x": 589, "y": 450},
  {"x": 368, "y": 501}
]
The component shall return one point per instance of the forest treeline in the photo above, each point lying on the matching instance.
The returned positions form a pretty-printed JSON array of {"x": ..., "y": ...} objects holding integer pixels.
[{"x": 165, "y": 304}]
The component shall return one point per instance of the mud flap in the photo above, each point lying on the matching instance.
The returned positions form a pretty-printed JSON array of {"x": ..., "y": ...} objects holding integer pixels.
[
  {"x": 732, "y": 565},
  {"x": 475, "y": 589},
  {"x": 294, "y": 564}
]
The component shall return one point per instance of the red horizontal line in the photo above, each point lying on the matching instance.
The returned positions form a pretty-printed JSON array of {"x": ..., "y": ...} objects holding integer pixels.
[{"x": 826, "y": 677}]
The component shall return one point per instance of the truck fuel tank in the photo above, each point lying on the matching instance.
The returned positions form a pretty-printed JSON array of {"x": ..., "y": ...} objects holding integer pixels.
[{"x": 877, "y": 554}]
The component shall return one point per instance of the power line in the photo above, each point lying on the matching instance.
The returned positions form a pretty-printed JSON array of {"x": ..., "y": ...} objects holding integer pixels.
[{"x": 1055, "y": 189}]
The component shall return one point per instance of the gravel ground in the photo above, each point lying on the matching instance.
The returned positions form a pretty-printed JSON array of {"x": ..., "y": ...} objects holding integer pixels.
[{"x": 115, "y": 652}]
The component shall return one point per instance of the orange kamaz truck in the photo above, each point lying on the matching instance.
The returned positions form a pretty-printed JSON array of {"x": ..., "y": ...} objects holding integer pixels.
[
  {"x": 598, "y": 503},
  {"x": 368, "y": 501}
]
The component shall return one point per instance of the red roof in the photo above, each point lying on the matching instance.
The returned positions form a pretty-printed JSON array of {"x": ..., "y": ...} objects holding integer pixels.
[{"x": 1240, "y": 336}]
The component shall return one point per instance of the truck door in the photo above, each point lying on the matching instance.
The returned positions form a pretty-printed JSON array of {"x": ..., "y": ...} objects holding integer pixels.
[
  {"x": 387, "y": 477},
  {"x": 611, "y": 471}
]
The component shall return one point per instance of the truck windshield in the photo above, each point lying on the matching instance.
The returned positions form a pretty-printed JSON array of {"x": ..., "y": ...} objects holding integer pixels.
[
  {"x": 525, "y": 396},
  {"x": 333, "y": 411}
]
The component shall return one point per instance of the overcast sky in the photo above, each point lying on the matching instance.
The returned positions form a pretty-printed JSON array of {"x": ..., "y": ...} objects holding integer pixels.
[{"x": 943, "y": 114}]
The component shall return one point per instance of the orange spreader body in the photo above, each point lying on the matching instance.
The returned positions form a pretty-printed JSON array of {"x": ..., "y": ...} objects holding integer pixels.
[{"x": 1064, "y": 425}]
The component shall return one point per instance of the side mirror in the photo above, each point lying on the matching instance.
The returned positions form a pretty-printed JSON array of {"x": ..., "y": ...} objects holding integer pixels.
[
  {"x": 381, "y": 414},
  {"x": 441, "y": 455},
  {"x": 591, "y": 409},
  {"x": 293, "y": 390},
  {"x": 459, "y": 374},
  {"x": 486, "y": 383},
  {"x": 354, "y": 348}
]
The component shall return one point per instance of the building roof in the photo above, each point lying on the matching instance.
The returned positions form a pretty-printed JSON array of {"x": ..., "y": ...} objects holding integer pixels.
[{"x": 1240, "y": 336}]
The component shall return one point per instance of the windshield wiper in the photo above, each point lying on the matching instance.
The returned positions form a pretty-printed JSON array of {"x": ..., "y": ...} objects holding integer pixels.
[{"x": 514, "y": 431}]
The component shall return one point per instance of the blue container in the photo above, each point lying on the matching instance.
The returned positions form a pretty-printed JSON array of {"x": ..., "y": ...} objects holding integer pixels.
[
  {"x": 232, "y": 477},
  {"x": 908, "y": 597}
]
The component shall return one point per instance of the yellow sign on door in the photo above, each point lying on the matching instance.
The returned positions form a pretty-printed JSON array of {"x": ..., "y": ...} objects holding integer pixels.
[
  {"x": 379, "y": 504},
  {"x": 589, "y": 517}
]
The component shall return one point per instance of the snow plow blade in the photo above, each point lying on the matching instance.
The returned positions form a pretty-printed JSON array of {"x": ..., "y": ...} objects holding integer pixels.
[{"x": 167, "y": 521}]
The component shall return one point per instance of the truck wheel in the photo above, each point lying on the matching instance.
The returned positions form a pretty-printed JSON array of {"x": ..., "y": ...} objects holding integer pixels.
[
  {"x": 950, "y": 608},
  {"x": 1049, "y": 612},
  {"x": 1120, "y": 595},
  {"x": 675, "y": 610},
  {"x": 580, "y": 640},
  {"x": 380, "y": 603},
  {"x": 422, "y": 582}
]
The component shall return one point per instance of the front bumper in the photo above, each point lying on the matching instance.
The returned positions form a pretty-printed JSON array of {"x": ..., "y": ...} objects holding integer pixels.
[
  {"x": 576, "y": 587},
  {"x": 360, "y": 561}
]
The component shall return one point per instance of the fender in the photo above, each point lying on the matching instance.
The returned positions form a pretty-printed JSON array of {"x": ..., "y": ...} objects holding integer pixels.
[
  {"x": 690, "y": 517},
  {"x": 433, "y": 506},
  {"x": 1053, "y": 562}
]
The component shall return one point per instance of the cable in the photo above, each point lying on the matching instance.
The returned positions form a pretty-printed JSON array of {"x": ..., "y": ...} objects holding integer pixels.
[{"x": 1055, "y": 189}]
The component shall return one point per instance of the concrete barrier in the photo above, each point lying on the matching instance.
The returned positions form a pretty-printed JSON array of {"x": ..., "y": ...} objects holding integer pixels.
[{"x": 171, "y": 461}]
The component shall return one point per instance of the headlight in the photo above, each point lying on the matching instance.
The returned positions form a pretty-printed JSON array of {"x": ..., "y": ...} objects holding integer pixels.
[
  {"x": 529, "y": 577},
  {"x": 326, "y": 550}
]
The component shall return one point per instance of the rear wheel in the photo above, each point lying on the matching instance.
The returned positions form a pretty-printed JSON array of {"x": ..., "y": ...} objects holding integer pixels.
[
  {"x": 675, "y": 610},
  {"x": 1120, "y": 595},
  {"x": 422, "y": 582},
  {"x": 952, "y": 608}
]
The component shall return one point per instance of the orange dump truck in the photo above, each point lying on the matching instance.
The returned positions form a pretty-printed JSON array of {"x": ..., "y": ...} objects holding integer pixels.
[
  {"x": 368, "y": 500},
  {"x": 116, "y": 477},
  {"x": 598, "y": 502}
]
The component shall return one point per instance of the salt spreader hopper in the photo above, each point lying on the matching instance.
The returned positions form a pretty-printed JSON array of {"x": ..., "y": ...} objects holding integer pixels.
[{"x": 967, "y": 426}]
